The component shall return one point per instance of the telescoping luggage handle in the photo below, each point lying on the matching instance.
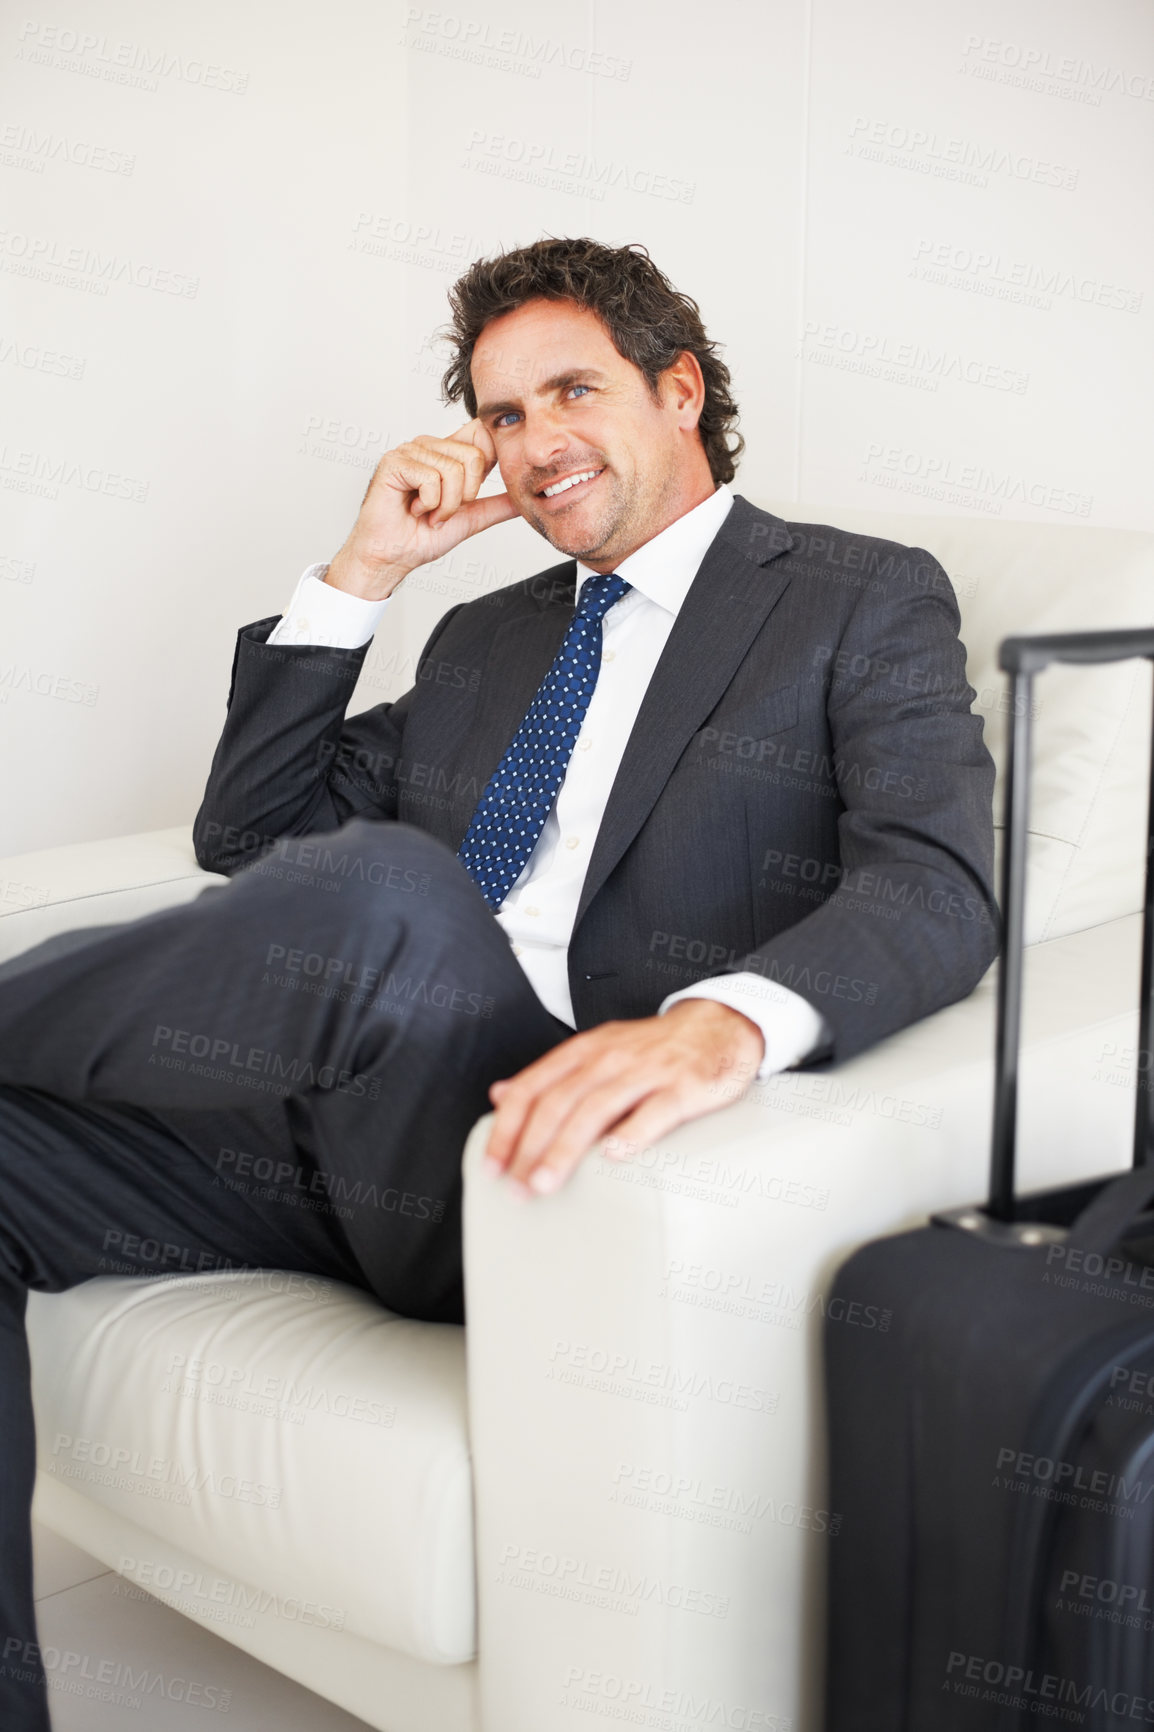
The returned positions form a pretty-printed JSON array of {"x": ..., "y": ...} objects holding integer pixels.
[{"x": 1022, "y": 658}]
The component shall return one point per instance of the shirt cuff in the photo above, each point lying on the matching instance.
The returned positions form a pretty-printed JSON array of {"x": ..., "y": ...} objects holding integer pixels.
[
  {"x": 791, "y": 1026},
  {"x": 320, "y": 614}
]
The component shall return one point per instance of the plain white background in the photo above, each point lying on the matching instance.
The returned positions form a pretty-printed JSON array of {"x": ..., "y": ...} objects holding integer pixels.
[{"x": 226, "y": 233}]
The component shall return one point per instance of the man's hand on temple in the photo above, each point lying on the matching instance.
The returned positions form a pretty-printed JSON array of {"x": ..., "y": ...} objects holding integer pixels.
[
  {"x": 628, "y": 1082},
  {"x": 420, "y": 504}
]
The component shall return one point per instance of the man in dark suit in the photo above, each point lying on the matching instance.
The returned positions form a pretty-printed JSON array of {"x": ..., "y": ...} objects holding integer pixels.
[
  {"x": 800, "y": 745},
  {"x": 703, "y": 801}
]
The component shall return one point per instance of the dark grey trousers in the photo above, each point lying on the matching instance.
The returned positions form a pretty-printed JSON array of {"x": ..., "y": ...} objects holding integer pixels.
[{"x": 174, "y": 1089}]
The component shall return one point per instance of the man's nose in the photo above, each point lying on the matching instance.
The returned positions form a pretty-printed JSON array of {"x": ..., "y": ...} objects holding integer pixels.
[{"x": 544, "y": 439}]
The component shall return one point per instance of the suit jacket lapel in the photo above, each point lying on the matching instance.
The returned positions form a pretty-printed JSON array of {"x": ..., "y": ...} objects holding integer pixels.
[{"x": 726, "y": 606}]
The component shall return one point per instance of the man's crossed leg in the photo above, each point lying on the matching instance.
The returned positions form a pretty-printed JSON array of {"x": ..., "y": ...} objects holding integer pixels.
[{"x": 169, "y": 1087}]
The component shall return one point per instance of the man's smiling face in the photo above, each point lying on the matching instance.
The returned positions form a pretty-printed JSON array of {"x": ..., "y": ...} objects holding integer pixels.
[{"x": 589, "y": 457}]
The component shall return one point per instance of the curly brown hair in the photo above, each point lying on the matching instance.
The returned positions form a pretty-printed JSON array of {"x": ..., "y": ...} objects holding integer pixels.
[{"x": 650, "y": 322}]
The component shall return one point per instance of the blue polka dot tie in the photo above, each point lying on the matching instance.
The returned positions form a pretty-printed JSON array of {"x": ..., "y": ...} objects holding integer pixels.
[{"x": 519, "y": 795}]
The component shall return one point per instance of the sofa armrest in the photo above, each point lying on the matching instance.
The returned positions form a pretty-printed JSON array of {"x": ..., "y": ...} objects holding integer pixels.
[
  {"x": 95, "y": 884},
  {"x": 643, "y": 1351}
]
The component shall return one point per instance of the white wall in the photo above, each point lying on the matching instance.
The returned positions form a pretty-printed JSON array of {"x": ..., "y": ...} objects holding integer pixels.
[{"x": 226, "y": 234}]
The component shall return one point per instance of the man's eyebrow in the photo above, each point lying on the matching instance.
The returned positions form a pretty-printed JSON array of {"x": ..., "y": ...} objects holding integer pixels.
[{"x": 558, "y": 382}]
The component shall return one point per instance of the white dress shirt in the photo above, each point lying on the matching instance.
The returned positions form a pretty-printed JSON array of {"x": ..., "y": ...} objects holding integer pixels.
[{"x": 539, "y": 912}]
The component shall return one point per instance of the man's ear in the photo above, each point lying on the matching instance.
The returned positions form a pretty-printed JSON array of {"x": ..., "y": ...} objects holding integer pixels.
[{"x": 683, "y": 386}]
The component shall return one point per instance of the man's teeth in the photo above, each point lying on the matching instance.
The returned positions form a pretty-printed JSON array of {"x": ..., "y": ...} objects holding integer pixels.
[{"x": 570, "y": 481}]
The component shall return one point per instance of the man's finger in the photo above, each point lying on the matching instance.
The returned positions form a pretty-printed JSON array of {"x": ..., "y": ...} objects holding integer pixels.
[
  {"x": 408, "y": 473},
  {"x": 476, "y": 433},
  {"x": 454, "y": 484},
  {"x": 470, "y": 445},
  {"x": 516, "y": 1104},
  {"x": 560, "y": 1130},
  {"x": 545, "y": 1093},
  {"x": 481, "y": 514},
  {"x": 560, "y": 1108},
  {"x": 437, "y": 501},
  {"x": 459, "y": 452},
  {"x": 437, "y": 471},
  {"x": 657, "y": 1115},
  {"x": 519, "y": 1092}
]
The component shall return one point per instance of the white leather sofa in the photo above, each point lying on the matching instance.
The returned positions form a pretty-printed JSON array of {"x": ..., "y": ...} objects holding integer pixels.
[{"x": 604, "y": 1500}]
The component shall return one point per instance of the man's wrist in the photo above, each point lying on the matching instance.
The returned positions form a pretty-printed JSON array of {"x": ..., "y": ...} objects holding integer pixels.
[
  {"x": 724, "y": 1015},
  {"x": 366, "y": 579},
  {"x": 792, "y": 1029}
]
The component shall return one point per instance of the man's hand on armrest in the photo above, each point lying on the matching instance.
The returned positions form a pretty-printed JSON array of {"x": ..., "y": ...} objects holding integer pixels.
[{"x": 628, "y": 1082}]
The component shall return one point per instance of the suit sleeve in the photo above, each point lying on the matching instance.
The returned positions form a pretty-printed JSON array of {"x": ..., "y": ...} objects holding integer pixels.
[
  {"x": 288, "y": 763},
  {"x": 912, "y": 924}
]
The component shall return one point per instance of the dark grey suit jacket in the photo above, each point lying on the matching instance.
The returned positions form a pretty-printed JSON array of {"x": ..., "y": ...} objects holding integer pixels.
[{"x": 805, "y": 793}]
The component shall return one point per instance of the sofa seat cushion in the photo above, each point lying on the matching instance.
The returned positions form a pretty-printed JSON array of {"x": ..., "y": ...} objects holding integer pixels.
[{"x": 283, "y": 1427}]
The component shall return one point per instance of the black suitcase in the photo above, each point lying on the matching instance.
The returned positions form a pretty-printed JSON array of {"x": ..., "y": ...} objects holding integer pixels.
[{"x": 992, "y": 1453}]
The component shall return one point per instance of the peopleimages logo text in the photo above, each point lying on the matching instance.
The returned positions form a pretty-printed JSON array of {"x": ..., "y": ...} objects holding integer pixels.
[{"x": 1021, "y": 1687}]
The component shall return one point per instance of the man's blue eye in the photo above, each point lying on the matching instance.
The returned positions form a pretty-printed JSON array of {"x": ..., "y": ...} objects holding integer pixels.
[{"x": 508, "y": 415}]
